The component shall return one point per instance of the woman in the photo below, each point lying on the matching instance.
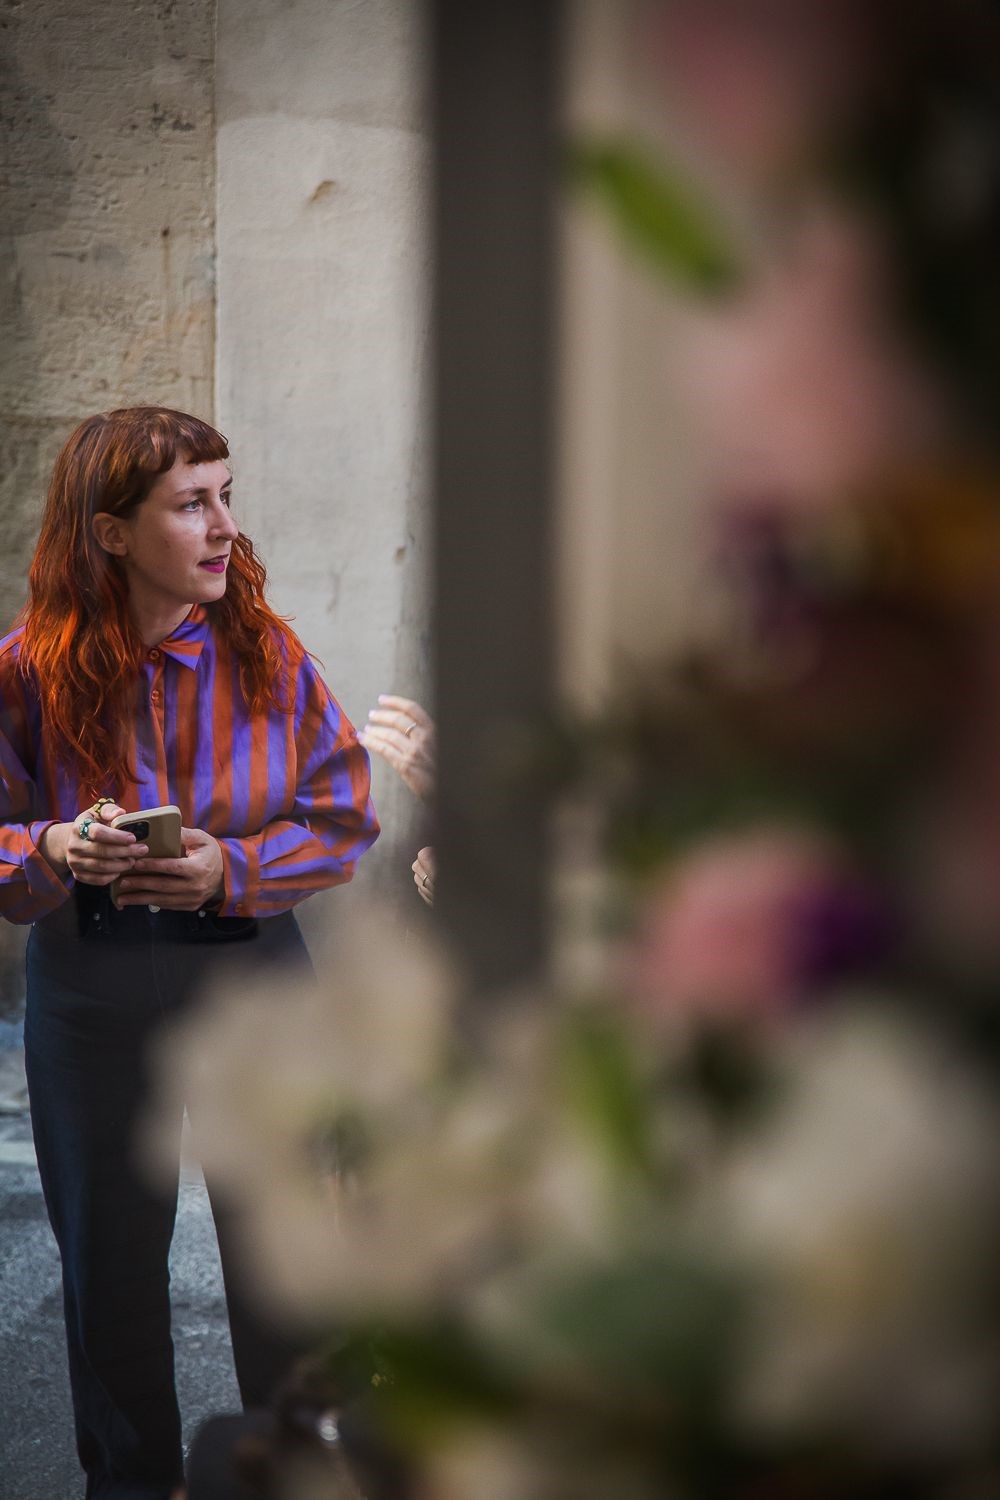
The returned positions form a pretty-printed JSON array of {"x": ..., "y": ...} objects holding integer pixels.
[{"x": 147, "y": 669}]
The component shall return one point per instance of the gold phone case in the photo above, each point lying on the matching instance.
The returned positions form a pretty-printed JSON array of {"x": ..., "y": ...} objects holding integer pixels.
[{"x": 163, "y": 834}]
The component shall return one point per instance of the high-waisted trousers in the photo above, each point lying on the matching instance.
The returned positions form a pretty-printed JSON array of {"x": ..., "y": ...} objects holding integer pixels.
[{"x": 97, "y": 1002}]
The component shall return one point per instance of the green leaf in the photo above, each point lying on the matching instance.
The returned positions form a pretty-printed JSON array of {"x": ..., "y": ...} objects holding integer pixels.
[
  {"x": 436, "y": 1376},
  {"x": 605, "y": 1088},
  {"x": 662, "y": 217},
  {"x": 664, "y": 1320}
]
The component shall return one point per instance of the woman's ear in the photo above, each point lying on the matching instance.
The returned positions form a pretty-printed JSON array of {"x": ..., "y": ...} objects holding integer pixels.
[{"x": 109, "y": 533}]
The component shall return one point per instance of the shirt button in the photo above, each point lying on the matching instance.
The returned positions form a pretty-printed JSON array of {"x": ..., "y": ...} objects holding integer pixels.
[
  {"x": 201, "y": 914},
  {"x": 156, "y": 695},
  {"x": 154, "y": 655},
  {"x": 154, "y": 908},
  {"x": 239, "y": 910}
]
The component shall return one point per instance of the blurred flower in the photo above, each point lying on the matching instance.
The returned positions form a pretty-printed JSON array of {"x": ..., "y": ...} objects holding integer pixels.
[
  {"x": 526, "y": 1464},
  {"x": 804, "y": 389},
  {"x": 764, "y": 80},
  {"x": 748, "y": 924},
  {"x": 923, "y": 541},
  {"x": 377, "y": 1164},
  {"x": 280, "y": 1097},
  {"x": 868, "y": 1203}
]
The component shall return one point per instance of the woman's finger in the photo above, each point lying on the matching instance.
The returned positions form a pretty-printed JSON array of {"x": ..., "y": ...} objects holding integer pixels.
[
  {"x": 424, "y": 883},
  {"x": 90, "y": 858},
  {"x": 99, "y": 833},
  {"x": 168, "y": 900},
  {"x": 102, "y": 866},
  {"x": 85, "y": 858},
  {"x": 391, "y": 720},
  {"x": 185, "y": 868},
  {"x": 390, "y": 732},
  {"x": 423, "y": 868},
  {"x": 407, "y": 706},
  {"x": 110, "y": 811}
]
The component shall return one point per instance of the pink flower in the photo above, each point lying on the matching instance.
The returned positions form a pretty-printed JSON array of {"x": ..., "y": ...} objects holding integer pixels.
[
  {"x": 761, "y": 80},
  {"x": 748, "y": 923},
  {"x": 803, "y": 388}
]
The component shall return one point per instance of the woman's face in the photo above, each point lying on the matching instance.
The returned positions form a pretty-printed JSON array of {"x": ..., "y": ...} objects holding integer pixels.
[{"x": 175, "y": 546}]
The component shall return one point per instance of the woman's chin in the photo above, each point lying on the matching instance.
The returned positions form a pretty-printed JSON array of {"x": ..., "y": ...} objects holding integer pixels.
[{"x": 210, "y": 586}]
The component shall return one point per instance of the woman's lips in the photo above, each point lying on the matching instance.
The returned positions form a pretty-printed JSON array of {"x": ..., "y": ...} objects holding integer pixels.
[{"x": 216, "y": 565}]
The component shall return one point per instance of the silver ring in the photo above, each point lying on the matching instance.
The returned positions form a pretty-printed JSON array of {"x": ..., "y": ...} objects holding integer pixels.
[
  {"x": 84, "y": 829},
  {"x": 409, "y": 730},
  {"x": 425, "y": 881}
]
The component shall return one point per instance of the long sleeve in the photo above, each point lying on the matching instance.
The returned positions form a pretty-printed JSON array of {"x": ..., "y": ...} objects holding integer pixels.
[
  {"x": 29, "y": 886},
  {"x": 329, "y": 825}
]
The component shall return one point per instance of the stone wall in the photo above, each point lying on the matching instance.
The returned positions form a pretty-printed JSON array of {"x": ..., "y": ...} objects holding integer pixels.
[{"x": 107, "y": 161}]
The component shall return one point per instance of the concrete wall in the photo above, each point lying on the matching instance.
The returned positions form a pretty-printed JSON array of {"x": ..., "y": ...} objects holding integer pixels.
[
  {"x": 322, "y": 333},
  {"x": 107, "y": 157}
]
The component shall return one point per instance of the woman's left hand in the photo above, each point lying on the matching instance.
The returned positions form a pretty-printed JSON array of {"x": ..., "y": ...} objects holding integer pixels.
[
  {"x": 424, "y": 869},
  {"x": 403, "y": 734},
  {"x": 185, "y": 884}
]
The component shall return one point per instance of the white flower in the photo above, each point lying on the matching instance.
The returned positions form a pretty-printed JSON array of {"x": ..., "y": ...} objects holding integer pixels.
[
  {"x": 265, "y": 1076},
  {"x": 466, "y": 1159},
  {"x": 866, "y": 1207}
]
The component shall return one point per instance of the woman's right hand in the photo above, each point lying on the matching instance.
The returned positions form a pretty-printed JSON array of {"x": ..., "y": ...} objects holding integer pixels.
[{"x": 99, "y": 858}]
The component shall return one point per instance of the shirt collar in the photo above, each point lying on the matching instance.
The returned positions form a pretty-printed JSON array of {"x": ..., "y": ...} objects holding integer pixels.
[{"x": 185, "y": 644}]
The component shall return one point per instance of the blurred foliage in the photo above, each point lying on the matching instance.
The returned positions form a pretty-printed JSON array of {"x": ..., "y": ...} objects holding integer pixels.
[
  {"x": 663, "y": 218},
  {"x": 727, "y": 1224},
  {"x": 923, "y": 149}
]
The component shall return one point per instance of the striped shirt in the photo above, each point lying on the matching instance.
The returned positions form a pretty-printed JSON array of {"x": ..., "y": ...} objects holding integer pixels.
[{"x": 286, "y": 795}]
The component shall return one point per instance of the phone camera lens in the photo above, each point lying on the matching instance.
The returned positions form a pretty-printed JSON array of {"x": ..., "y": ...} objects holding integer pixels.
[{"x": 140, "y": 829}]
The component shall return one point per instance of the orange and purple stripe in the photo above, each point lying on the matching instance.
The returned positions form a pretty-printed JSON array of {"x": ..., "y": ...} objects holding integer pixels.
[{"x": 286, "y": 795}]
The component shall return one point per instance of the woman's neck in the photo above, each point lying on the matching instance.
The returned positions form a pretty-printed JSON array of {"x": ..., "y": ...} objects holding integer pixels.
[{"x": 156, "y": 624}]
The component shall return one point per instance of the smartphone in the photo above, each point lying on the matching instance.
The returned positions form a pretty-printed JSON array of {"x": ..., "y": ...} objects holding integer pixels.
[{"x": 159, "y": 828}]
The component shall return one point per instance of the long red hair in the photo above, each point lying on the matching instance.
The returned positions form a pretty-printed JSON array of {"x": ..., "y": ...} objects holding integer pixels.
[{"x": 79, "y": 641}]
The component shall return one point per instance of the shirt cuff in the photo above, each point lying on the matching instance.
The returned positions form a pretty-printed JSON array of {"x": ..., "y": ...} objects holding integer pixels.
[
  {"x": 42, "y": 880},
  {"x": 240, "y": 877}
]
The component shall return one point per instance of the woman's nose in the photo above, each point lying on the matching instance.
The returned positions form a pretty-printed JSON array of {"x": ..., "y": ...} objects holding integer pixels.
[{"x": 224, "y": 522}]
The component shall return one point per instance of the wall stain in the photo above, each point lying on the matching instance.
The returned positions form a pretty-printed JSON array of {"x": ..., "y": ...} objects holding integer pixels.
[{"x": 324, "y": 191}]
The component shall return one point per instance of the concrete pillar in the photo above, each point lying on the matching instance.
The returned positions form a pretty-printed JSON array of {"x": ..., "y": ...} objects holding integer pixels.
[{"x": 322, "y": 331}]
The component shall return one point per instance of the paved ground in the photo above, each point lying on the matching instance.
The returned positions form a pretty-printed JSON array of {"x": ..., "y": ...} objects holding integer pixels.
[{"x": 37, "y": 1461}]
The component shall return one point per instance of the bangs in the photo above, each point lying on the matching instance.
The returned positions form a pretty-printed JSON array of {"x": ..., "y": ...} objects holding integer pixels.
[
  {"x": 161, "y": 436},
  {"x": 149, "y": 440}
]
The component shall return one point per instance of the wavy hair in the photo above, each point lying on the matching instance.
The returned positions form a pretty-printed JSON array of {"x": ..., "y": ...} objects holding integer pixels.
[{"x": 79, "y": 641}]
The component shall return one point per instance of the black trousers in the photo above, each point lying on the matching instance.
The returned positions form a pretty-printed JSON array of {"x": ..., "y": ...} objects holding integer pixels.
[{"x": 101, "y": 985}]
